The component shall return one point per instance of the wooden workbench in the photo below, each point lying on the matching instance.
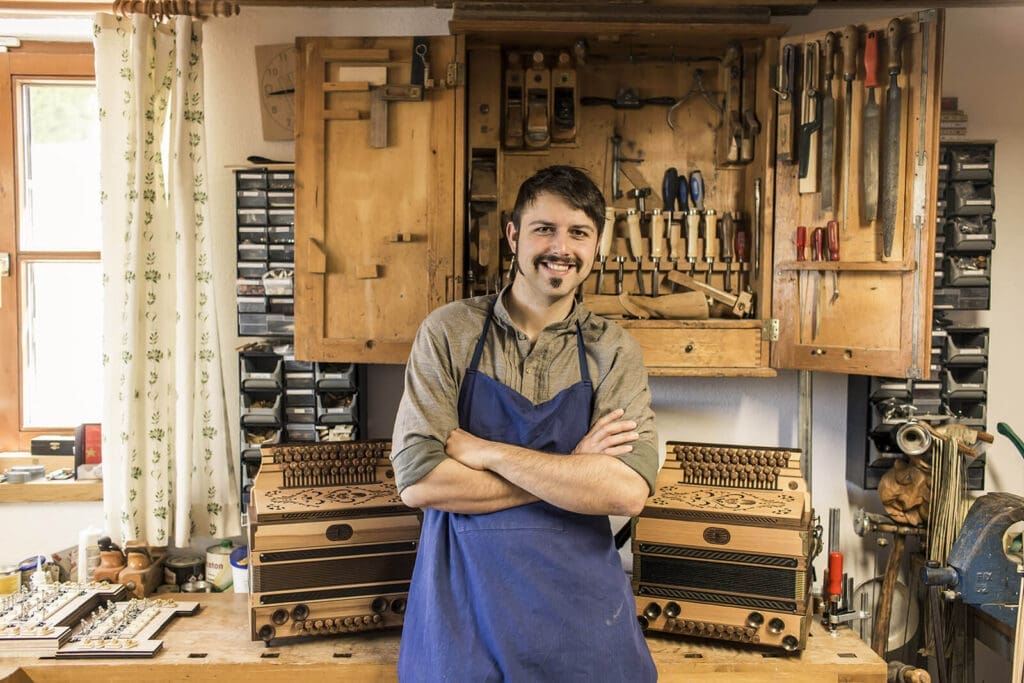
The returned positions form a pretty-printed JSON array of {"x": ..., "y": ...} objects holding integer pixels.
[{"x": 214, "y": 645}]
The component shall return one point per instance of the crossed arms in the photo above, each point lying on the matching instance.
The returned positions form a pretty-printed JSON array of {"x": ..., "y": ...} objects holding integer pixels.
[{"x": 481, "y": 476}]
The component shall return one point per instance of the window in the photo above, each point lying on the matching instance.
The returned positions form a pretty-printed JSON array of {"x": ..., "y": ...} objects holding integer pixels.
[{"x": 51, "y": 298}]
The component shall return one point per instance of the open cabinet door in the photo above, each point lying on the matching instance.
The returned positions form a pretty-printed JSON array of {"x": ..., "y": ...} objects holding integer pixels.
[
  {"x": 880, "y": 321},
  {"x": 378, "y": 170}
]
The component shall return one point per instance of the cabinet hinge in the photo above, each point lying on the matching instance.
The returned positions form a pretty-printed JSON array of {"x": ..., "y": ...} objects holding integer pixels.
[
  {"x": 770, "y": 330},
  {"x": 455, "y": 75}
]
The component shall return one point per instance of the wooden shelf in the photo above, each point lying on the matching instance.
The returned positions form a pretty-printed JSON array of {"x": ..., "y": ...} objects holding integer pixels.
[
  {"x": 863, "y": 266},
  {"x": 42, "y": 491}
]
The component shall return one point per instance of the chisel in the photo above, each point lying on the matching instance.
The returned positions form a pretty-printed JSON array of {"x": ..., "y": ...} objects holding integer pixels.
[
  {"x": 710, "y": 242},
  {"x": 741, "y": 258},
  {"x": 817, "y": 254},
  {"x": 833, "y": 255},
  {"x": 849, "y": 45},
  {"x": 675, "y": 236},
  {"x": 693, "y": 217},
  {"x": 828, "y": 126},
  {"x": 636, "y": 246},
  {"x": 604, "y": 245},
  {"x": 891, "y": 154},
  {"x": 801, "y": 255},
  {"x": 657, "y": 237},
  {"x": 728, "y": 229},
  {"x": 870, "y": 133},
  {"x": 811, "y": 117}
]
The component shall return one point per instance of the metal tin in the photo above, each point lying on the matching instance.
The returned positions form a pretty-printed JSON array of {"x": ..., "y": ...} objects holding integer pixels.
[
  {"x": 197, "y": 587},
  {"x": 10, "y": 579},
  {"x": 218, "y": 566},
  {"x": 180, "y": 570}
]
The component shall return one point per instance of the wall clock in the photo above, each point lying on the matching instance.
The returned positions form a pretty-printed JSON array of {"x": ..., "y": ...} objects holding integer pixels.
[{"x": 275, "y": 66}]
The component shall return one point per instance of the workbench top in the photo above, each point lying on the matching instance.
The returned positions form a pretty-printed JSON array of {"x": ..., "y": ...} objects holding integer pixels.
[{"x": 214, "y": 645}]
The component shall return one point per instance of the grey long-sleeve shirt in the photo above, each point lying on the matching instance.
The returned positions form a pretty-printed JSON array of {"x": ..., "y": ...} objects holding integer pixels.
[{"x": 443, "y": 349}]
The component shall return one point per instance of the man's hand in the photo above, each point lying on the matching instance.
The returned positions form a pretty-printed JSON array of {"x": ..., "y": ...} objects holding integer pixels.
[
  {"x": 468, "y": 449},
  {"x": 609, "y": 435}
]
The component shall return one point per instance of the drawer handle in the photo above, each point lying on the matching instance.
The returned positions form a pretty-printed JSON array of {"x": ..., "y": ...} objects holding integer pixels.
[
  {"x": 817, "y": 352},
  {"x": 689, "y": 348}
]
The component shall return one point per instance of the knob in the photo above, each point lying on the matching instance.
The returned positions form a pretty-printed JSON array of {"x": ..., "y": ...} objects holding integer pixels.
[
  {"x": 266, "y": 633},
  {"x": 672, "y": 610},
  {"x": 300, "y": 612},
  {"x": 279, "y": 616},
  {"x": 776, "y": 625},
  {"x": 652, "y": 611}
]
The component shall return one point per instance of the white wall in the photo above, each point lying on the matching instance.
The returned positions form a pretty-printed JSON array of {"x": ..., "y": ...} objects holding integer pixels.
[{"x": 982, "y": 54}]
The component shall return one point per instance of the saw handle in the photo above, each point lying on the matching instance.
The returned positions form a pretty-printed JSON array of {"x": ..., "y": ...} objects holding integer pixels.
[
  {"x": 895, "y": 41},
  {"x": 871, "y": 60}
]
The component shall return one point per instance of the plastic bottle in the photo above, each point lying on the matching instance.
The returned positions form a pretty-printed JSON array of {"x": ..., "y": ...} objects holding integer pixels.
[{"x": 88, "y": 552}]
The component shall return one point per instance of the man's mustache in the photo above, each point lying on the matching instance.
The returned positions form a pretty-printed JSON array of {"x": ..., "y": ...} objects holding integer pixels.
[{"x": 571, "y": 261}]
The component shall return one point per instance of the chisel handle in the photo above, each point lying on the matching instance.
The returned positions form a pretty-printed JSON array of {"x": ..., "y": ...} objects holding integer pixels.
[
  {"x": 871, "y": 60},
  {"x": 728, "y": 228},
  {"x": 801, "y": 243},
  {"x": 636, "y": 242},
  {"x": 683, "y": 194},
  {"x": 692, "y": 234},
  {"x": 675, "y": 234},
  {"x": 710, "y": 235},
  {"x": 833, "y": 240},
  {"x": 604, "y": 244},
  {"x": 849, "y": 45},
  {"x": 657, "y": 232},
  {"x": 894, "y": 32}
]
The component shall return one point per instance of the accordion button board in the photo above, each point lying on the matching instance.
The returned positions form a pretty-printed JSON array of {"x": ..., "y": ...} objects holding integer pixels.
[
  {"x": 723, "y": 548},
  {"x": 332, "y": 546}
]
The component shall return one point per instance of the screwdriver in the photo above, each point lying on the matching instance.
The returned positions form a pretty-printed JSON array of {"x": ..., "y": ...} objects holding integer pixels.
[
  {"x": 801, "y": 255},
  {"x": 636, "y": 246},
  {"x": 710, "y": 241},
  {"x": 833, "y": 255},
  {"x": 693, "y": 219},
  {"x": 604, "y": 245},
  {"x": 741, "y": 256},
  {"x": 728, "y": 229},
  {"x": 657, "y": 237},
  {"x": 817, "y": 254}
]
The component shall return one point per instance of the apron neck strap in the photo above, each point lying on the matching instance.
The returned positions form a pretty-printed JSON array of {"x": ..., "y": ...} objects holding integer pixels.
[{"x": 479, "y": 350}]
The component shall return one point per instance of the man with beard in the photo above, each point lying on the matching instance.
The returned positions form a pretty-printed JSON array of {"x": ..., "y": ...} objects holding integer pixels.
[{"x": 525, "y": 422}]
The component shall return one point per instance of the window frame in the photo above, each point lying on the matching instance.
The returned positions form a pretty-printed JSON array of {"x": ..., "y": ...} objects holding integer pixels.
[{"x": 33, "y": 61}]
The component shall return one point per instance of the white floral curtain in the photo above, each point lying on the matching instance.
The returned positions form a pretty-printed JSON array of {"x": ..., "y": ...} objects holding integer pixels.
[{"x": 167, "y": 472}]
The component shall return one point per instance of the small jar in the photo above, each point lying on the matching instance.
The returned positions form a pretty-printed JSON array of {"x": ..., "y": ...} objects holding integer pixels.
[{"x": 10, "y": 578}]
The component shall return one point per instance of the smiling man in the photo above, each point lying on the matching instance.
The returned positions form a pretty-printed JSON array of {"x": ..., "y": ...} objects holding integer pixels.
[{"x": 525, "y": 422}]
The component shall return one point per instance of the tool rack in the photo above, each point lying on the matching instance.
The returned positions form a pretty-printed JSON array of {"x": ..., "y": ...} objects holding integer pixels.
[{"x": 457, "y": 122}]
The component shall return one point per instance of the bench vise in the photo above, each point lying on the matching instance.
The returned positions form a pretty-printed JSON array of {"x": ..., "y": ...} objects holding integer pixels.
[{"x": 983, "y": 563}]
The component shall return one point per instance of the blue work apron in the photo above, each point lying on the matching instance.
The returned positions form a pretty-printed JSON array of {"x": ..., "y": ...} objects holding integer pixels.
[{"x": 531, "y": 593}]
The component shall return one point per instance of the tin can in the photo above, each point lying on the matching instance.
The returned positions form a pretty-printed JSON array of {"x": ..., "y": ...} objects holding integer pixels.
[
  {"x": 180, "y": 570},
  {"x": 10, "y": 579},
  {"x": 197, "y": 587},
  {"x": 218, "y": 566}
]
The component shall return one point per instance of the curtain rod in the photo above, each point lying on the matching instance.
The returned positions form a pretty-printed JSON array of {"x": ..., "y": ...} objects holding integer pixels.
[{"x": 163, "y": 9}]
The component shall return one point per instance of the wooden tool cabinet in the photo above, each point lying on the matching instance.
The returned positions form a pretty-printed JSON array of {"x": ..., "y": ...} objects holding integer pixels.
[{"x": 400, "y": 211}]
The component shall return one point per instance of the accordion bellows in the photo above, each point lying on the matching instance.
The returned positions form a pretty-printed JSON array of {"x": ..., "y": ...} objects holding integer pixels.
[
  {"x": 723, "y": 548},
  {"x": 332, "y": 546}
]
